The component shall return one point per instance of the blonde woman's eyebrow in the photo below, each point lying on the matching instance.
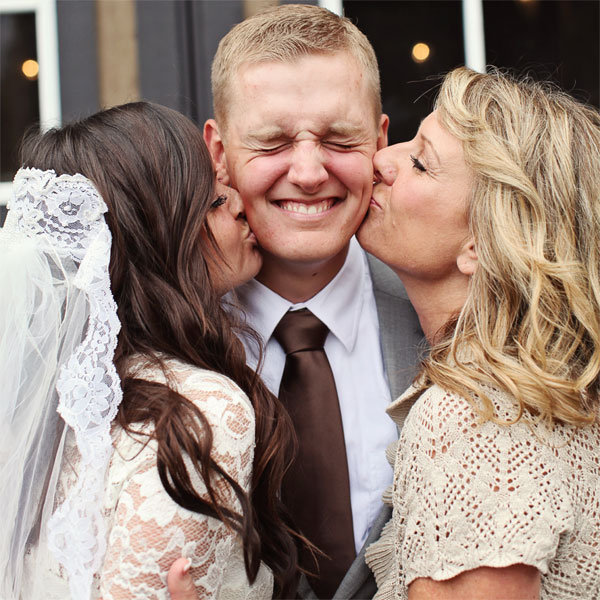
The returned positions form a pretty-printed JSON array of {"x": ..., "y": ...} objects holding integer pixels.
[{"x": 430, "y": 145}]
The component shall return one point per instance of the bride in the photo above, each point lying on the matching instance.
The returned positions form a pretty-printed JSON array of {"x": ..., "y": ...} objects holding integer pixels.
[{"x": 131, "y": 431}]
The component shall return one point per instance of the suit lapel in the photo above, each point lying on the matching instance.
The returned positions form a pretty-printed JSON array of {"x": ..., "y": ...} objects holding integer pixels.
[
  {"x": 401, "y": 338},
  {"x": 399, "y": 329}
]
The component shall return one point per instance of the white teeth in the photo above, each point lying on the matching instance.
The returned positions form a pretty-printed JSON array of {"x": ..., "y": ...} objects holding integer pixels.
[{"x": 307, "y": 209}]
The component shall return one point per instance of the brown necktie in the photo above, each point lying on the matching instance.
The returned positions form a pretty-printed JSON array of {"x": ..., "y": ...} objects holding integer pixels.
[{"x": 316, "y": 489}]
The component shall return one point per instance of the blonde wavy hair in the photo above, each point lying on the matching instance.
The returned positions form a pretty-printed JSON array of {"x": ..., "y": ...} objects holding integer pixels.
[
  {"x": 284, "y": 34},
  {"x": 531, "y": 324}
]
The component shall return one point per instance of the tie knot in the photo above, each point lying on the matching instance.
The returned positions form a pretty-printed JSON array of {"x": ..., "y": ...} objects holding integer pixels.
[{"x": 300, "y": 330}]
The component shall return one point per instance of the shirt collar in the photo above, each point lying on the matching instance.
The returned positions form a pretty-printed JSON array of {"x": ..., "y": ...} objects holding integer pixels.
[{"x": 338, "y": 304}]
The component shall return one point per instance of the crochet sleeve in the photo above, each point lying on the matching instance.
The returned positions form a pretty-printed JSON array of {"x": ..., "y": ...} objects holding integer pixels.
[
  {"x": 469, "y": 494},
  {"x": 149, "y": 530}
]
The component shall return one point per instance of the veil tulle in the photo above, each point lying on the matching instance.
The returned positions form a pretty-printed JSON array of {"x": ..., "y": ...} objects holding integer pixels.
[{"x": 58, "y": 333}]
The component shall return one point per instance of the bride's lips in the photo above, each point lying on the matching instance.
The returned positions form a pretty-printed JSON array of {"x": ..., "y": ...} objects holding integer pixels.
[{"x": 375, "y": 203}]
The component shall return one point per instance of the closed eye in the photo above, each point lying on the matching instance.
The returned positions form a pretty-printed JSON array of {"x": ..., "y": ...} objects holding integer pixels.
[
  {"x": 339, "y": 146},
  {"x": 417, "y": 164},
  {"x": 274, "y": 149},
  {"x": 219, "y": 201}
]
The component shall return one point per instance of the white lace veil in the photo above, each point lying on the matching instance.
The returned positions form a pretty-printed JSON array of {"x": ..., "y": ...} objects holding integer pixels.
[{"x": 59, "y": 388}]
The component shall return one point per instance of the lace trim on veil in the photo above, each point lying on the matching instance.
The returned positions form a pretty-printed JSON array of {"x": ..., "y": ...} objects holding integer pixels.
[{"x": 64, "y": 214}]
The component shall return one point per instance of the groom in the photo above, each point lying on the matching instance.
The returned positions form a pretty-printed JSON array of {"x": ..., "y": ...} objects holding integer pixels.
[{"x": 297, "y": 121}]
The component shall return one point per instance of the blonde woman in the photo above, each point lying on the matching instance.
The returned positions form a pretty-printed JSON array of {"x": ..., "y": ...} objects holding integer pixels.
[{"x": 491, "y": 217}]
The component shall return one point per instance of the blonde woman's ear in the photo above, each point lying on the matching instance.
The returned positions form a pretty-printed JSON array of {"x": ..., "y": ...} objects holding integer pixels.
[{"x": 467, "y": 259}]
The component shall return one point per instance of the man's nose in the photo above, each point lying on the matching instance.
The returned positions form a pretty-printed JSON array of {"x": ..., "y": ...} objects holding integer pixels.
[
  {"x": 385, "y": 164},
  {"x": 307, "y": 169}
]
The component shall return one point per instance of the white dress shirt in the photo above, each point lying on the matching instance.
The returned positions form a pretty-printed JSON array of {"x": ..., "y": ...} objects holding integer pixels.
[{"x": 347, "y": 306}]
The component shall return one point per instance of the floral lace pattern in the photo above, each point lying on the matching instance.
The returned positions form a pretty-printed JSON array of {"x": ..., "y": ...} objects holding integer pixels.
[
  {"x": 468, "y": 494},
  {"x": 147, "y": 531},
  {"x": 65, "y": 215}
]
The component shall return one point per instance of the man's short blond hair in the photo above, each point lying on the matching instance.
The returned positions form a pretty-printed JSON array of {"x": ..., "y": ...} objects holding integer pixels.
[{"x": 284, "y": 34}]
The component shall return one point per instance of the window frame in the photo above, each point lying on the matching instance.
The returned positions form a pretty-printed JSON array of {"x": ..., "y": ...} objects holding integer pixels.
[{"x": 46, "y": 33}]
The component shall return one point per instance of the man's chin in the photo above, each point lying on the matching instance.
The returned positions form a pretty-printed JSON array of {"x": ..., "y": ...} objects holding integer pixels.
[{"x": 307, "y": 253}]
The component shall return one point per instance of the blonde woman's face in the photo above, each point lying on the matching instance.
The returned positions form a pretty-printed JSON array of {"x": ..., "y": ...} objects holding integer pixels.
[{"x": 417, "y": 219}]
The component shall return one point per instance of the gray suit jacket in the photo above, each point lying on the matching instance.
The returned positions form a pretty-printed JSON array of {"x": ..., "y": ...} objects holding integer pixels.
[{"x": 401, "y": 342}]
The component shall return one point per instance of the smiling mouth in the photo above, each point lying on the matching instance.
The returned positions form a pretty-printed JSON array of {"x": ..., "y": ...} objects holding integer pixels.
[{"x": 304, "y": 208}]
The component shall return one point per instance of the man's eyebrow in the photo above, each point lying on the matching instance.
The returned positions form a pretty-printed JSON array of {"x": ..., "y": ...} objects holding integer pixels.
[
  {"x": 345, "y": 130},
  {"x": 270, "y": 133},
  {"x": 265, "y": 134}
]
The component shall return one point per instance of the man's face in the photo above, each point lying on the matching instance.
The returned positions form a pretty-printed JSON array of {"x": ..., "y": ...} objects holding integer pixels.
[{"x": 298, "y": 146}]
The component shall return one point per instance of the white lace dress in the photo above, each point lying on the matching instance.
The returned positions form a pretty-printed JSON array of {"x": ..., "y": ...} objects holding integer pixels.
[
  {"x": 468, "y": 494},
  {"x": 147, "y": 530}
]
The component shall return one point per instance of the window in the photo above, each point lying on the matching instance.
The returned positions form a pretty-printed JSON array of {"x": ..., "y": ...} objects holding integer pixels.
[
  {"x": 29, "y": 78},
  {"x": 415, "y": 42}
]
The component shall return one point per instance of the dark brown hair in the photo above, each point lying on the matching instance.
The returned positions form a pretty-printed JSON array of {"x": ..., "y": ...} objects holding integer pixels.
[{"x": 152, "y": 168}]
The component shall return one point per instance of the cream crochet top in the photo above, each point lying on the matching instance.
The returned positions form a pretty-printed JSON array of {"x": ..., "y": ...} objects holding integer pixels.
[
  {"x": 468, "y": 494},
  {"x": 147, "y": 530}
]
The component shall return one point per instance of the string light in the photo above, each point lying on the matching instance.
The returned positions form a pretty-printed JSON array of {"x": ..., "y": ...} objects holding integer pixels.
[
  {"x": 30, "y": 69},
  {"x": 420, "y": 52}
]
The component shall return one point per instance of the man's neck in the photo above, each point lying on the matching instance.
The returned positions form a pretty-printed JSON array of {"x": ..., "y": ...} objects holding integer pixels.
[{"x": 299, "y": 281}]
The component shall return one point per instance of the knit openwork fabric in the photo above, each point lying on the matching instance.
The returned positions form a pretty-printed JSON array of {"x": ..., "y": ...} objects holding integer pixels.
[{"x": 468, "y": 494}]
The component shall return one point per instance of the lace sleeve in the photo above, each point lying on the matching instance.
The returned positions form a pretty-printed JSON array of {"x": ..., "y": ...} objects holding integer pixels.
[
  {"x": 150, "y": 530},
  {"x": 468, "y": 494}
]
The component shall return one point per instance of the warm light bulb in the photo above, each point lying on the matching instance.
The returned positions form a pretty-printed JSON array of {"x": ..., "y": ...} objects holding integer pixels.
[
  {"x": 420, "y": 52},
  {"x": 30, "y": 69}
]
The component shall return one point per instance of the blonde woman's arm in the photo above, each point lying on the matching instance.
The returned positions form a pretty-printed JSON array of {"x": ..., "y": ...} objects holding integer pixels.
[
  {"x": 517, "y": 582},
  {"x": 480, "y": 508}
]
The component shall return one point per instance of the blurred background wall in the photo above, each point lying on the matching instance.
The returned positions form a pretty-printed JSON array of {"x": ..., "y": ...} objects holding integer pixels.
[{"x": 64, "y": 59}]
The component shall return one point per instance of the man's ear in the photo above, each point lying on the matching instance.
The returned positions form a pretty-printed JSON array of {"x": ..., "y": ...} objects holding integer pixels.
[
  {"x": 382, "y": 136},
  {"x": 467, "y": 260},
  {"x": 214, "y": 143}
]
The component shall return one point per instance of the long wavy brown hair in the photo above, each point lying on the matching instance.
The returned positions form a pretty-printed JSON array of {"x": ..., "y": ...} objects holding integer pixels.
[{"x": 154, "y": 172}]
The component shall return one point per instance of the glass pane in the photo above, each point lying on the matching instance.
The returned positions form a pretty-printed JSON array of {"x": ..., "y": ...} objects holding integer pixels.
[
  {"x": 552, "y": 40},
  {"x": 19, "y": 100},
  {"x": 395, "y": 29}
]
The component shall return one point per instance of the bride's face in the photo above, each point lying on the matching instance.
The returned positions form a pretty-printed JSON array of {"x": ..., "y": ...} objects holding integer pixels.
[
  {"x": 417, "y": 219},
  {"x": 239, "y": 259}
]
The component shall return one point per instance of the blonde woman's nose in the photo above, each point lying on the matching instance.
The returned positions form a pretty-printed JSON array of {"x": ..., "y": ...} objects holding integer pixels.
[{"x": 385, "y": 164}]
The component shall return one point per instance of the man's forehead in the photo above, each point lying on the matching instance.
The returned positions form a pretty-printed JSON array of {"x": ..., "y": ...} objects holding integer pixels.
[{"x": 270, "y": 103}]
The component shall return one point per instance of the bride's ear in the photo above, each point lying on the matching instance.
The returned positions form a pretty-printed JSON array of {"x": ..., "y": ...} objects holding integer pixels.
[{"x": 467, "y": 259}]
